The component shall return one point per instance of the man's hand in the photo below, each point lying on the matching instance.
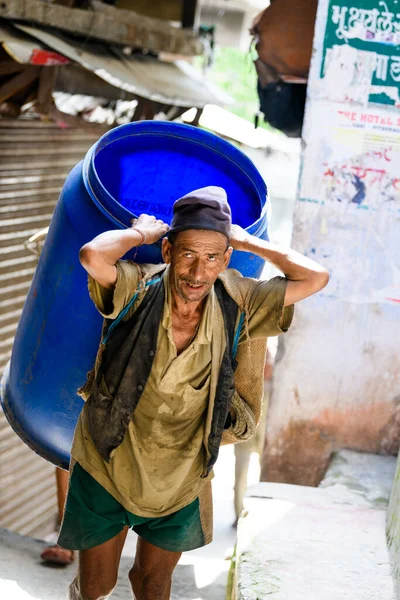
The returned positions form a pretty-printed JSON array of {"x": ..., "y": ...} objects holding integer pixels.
[
  {"x": 152, "y": 229},
  {"x": 306, "y": 277},
  {"x": 238, "y": 237},
  {"x": 99, "y": 256}
]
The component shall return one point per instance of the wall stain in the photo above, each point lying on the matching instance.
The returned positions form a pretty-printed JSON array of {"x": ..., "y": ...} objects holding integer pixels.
[{"x": 300, "y": 453}]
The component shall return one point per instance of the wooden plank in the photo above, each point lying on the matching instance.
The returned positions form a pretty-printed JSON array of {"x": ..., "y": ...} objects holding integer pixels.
[
  {"x": 10, "y": 67},
  {"x": 11, "y": 251},
  {"x": 37, "y": 167},
  {"x": 24, "y": 470},
  {"x": 72, "y": 121},
  {"x": 26, "y": 123},
  {"x": 39, "y": 221},
  {"x": 106, "y": 23},
  {"x": 5, "y": 349},
  {"x": 51, "y": 151},
  {"x": 32, "y": 137},
  {"x": 10, "y": 109},
  {"x": 38, "y": 195},
  {"x": 20, "y": 81},
  {"x": 46, "y": 146},
  {"x": 9, "y": 292},
  {"x": 13, "y": 236},
  {"x": 26, "y": 209},
  {"x": 15, "y": 302},
  {"x": 11, "y": 317},
  {"x": 36, "y": 186},
  {"x": 45, "y": 99},
  {"x": 7, "y": 266},
  {"x": 13, "y": 254},
  {"x": 35, "y": 160},
  {"x": 16, "y": 195},
  {"x": 24, "y": 179}
]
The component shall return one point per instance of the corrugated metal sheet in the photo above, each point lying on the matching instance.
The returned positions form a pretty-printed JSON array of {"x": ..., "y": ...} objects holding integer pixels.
[
  {"x": 35, "y": 159},
  {"x": 173, "y": 83}
]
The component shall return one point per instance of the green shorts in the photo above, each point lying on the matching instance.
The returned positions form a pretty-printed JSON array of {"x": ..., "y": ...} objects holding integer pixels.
[{"x": 92, "y": 516}]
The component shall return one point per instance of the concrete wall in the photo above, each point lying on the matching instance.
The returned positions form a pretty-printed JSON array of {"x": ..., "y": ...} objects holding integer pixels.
[
  {"x": 231, "y": 26},
  {"x": 393, "y": 530},
  {"x": 336, "y": 382}
]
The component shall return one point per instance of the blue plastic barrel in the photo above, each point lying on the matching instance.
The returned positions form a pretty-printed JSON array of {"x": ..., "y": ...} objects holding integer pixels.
[{"x": 136, "y": 168}]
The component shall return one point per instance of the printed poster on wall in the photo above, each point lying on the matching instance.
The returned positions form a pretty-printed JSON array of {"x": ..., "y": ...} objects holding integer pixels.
[
  {"x": 353, "y": 136},
  {"x": 348, "y": 216},
  {"x": 361, "y": 59}
]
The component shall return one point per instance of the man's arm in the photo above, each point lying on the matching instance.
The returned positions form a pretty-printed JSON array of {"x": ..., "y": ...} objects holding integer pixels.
[
  {"x": 99, "y": 256},
  {"x": 306, "y": 277}
]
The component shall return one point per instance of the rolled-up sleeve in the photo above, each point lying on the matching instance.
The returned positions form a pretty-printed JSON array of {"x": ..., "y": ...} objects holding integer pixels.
[
  {"x": 267, "y": 315},
  {"x": 109, "y": 303}
]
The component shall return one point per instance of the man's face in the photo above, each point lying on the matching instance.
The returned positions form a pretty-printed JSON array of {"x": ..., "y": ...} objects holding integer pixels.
[{"x": 196, "y": 257}]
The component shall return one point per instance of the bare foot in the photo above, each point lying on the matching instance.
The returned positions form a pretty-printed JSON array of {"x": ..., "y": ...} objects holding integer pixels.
[{"x": 57, "y": 555}]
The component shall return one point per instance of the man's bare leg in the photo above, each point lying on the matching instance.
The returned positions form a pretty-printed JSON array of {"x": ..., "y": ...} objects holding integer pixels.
[
  {"x": 152, "y": 570},
  {"x": 98, "y": 570}
]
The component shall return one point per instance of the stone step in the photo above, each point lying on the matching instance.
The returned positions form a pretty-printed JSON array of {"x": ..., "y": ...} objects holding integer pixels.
[{"x": 301, "y": 543}]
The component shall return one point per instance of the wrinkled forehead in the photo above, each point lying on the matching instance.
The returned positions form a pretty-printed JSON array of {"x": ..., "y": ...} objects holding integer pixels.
[{"x": 202, "y": 240}]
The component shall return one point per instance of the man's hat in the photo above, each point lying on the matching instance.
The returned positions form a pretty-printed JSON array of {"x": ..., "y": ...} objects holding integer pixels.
[{"x": 206, "y": 208}]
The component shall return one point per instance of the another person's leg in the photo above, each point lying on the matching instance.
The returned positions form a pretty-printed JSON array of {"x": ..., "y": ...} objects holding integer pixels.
[
  {"x": 98, "y": 570},
  {"x": 151, "y": 574},
  {"x": 243, "y": 451},
  {"x": 62, "y": 478},
  {"x": 255, "y": 444},
  {"x": 54, "y": 554}
]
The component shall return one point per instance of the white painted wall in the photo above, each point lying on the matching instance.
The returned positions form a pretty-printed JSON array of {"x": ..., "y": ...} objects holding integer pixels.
[
  {"x": 393, "y": 530},
  {"x": 337, "y": 381},
  {"x": 231, "y": 26}
]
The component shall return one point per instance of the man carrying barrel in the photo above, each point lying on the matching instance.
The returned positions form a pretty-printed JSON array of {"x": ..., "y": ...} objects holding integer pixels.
[{"x": 178, "y": 372}]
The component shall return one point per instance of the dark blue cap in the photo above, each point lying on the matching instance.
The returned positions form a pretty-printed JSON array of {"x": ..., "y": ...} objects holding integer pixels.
[{"x": 206, "y": 208}]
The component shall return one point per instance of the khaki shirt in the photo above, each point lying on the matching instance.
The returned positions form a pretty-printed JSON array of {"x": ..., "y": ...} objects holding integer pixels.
[{"x": 157, "y": 469}]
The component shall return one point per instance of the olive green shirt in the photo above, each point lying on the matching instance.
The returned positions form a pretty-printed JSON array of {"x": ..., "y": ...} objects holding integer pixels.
[{"x": 157, "y": 468}]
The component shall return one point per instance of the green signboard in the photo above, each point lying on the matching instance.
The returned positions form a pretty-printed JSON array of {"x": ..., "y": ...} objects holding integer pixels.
[{"x": 367, "y": 33}]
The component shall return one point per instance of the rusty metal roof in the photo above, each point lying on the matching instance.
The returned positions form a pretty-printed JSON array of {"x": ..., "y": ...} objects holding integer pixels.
[{"x": 174, "y": 83}]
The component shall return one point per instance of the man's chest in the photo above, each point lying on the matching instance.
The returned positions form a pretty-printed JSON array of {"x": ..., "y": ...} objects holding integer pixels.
[
  {"x": 183, "y": 333},
  {"x": 178, "y": 385},
  {"x": 172, "y": 371}
]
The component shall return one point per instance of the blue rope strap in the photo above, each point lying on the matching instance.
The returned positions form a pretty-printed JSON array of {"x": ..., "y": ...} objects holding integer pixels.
[
  {"x": 237, "y": 335},
  {"x": 125, "y": 310},
  {"x": 123, "y": 313}
]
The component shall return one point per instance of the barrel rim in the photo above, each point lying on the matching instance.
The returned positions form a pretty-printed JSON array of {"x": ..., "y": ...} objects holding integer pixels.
[{"x": 95, "y": 188}]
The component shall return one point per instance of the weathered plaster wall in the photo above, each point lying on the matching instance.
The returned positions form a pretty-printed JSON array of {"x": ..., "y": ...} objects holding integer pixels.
[
  {"x": 336, "y": 381},
  {"x": 393, "y": 530}
]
